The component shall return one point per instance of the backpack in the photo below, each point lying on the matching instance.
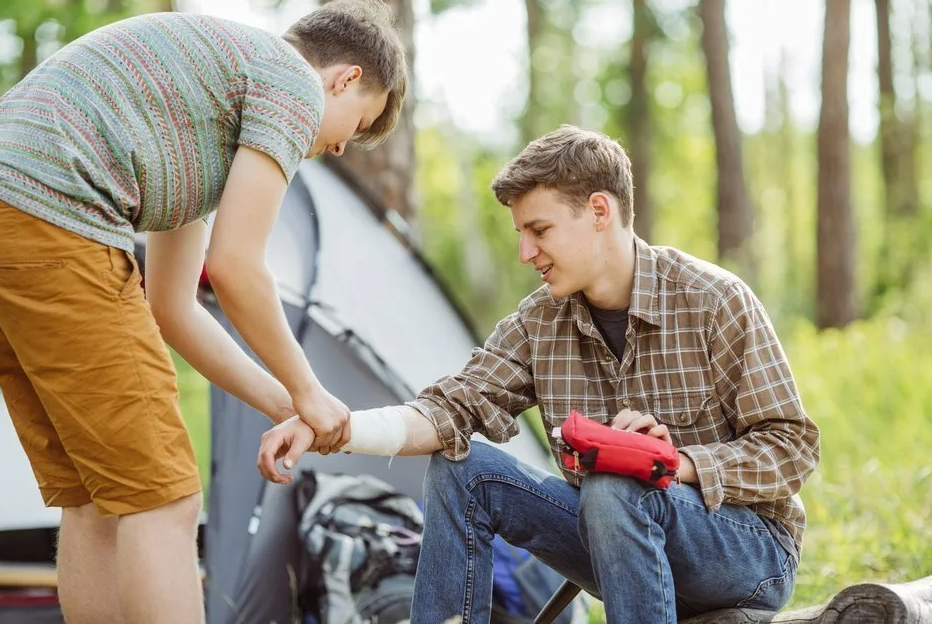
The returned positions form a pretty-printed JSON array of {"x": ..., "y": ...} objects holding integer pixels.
[{"x": 361, "y": 541}]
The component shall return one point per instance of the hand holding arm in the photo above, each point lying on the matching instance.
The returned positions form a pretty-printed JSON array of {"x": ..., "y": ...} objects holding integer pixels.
[
  {"x": 393, "y": 430},
  {"x": 246, "y": 290}
]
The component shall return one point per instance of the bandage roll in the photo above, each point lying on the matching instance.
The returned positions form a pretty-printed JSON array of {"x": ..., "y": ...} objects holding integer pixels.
[{"x": 379, "y": 431}]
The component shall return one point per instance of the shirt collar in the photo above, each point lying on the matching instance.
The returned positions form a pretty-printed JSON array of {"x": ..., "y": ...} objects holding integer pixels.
[{"x": 644, "y": 291}]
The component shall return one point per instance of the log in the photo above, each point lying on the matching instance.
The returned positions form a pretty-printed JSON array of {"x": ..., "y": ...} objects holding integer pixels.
[{"x": 866, "y": 603}]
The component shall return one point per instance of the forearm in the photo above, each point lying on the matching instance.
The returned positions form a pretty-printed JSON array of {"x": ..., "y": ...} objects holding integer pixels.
[
  {"x": 206, "y": 346},
  {"x": 248, "y": 296},
  {"x": 392, "y": 430},
  {"x": 759, "y": 467}
]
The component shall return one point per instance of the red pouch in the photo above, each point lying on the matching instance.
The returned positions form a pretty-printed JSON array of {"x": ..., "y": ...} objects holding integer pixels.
[{"x": 599, "y": 448}]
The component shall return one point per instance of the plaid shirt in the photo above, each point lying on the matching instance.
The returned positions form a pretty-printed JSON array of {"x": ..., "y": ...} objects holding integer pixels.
[{"x": 702, "y": 357}]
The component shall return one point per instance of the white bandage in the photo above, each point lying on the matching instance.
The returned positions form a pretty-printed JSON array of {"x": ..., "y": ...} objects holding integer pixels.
[{"x": 380, "y": 431}]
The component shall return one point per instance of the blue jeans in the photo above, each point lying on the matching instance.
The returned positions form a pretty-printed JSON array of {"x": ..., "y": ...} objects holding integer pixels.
[{"x": 651, "y": 555}]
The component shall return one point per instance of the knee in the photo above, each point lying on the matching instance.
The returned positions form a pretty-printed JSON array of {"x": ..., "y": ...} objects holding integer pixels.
[
  {"x": 606, "y": 499},
  {"x": 443, "y": 473}
]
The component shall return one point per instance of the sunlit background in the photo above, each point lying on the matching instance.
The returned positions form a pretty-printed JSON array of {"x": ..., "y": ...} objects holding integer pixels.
[{"x": 853, "y": 306}]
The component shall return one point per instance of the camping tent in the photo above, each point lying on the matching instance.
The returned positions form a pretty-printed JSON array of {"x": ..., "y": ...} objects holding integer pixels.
[{"x": 376, "y": 326}]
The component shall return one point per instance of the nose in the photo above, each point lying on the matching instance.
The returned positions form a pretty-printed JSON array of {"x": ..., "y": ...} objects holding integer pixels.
[
  {"x": 527, "y": 251},
  {"x": 337, "y": 150}
]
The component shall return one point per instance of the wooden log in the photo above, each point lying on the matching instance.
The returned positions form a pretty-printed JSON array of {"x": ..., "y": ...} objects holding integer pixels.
[{"x": 867, "y": 603}]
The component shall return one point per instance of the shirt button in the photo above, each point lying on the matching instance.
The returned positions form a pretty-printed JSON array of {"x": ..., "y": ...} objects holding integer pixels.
[
  {"x": 626, "y": 403},
  {"x": 683, "y": 417}
]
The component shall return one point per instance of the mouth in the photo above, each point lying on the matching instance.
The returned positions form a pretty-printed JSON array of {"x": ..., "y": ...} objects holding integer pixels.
[{"x": 545, "y": 271}]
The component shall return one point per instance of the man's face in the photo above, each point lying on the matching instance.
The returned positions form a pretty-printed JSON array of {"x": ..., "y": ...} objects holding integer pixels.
[
  {"x": 349, "y": 109},
  {"x": 561, "y": 245}
]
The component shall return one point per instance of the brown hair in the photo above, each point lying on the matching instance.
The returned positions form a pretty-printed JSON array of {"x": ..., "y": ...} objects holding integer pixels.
[
  {"x": 574, "y": 162},
  {"x": 358, "y": 32}
]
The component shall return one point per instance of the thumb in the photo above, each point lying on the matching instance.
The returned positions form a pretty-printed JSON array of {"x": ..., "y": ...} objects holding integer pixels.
[{"x": 299, "y": 443}]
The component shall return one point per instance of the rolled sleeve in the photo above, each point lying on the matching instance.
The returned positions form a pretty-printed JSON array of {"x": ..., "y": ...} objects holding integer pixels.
[
  {"x": 486, "y": 396},
  {"x": 777, "y": 444}
]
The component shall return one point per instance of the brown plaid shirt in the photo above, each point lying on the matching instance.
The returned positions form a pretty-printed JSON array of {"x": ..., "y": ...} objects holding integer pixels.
[{"x": 701, "y": 356}]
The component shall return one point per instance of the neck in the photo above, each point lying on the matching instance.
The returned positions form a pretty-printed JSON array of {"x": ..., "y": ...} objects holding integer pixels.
[{"x": 611, "y": 289}]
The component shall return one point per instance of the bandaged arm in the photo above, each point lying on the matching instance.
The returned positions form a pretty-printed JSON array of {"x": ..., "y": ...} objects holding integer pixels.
[{"x": 392, "y": 430}]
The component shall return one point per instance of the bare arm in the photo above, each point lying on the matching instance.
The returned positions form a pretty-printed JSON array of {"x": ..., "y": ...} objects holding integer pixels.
[
  {"x": 245, "y": 289},
  {"x": 173, "y": 266}
]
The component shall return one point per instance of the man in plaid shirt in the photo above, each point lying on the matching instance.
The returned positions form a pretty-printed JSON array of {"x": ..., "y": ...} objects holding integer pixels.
[{"x": 648, "y": 339}]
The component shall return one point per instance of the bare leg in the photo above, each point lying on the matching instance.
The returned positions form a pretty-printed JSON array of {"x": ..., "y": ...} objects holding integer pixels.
[
  {"x": 157, "y": 570},
  {"x": 87, "y": 558}
]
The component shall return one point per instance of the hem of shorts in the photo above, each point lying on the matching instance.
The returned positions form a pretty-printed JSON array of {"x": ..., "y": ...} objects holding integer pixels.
[
  {"x": 21, "y": 202},
  {"x": 150, "y": 499},
  {"x": 71, "y": 497}
]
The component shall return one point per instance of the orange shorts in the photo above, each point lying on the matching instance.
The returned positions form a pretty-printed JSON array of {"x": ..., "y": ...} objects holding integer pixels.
[{"x": 88, "y": 381}]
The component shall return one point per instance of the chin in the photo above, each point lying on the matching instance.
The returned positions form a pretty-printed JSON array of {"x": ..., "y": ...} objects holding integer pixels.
[{"x": 558, "y": 291}]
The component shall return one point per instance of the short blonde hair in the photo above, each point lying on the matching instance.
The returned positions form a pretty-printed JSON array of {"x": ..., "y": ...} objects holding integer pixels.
[
  {"x": 358, "y": 32},
  {"x": 574, "y": 162}
]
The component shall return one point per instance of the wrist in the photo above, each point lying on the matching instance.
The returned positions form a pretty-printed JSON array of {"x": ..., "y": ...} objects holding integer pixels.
[{"x": 687, "y": 470}]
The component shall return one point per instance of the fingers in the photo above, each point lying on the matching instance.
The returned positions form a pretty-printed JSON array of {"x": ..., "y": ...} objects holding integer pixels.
[
  {"x": 334, "y": 441},
  {"x": 287, "y": 440},
  {"x": 303, "y": 437},
  {"x": 271, "y": 447},
  {"x": 631, "y": 420},
  {"x": 624, "y": 417},
  {"x": 661, "y": 432}
]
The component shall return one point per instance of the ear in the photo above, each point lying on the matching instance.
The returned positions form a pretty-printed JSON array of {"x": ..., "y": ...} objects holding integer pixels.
[
  {"x": 602, "y": 209},
  {"x": 346, "y": 76}
]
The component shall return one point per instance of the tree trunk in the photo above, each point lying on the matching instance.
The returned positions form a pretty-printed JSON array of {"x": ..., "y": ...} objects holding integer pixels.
[
  {"x": 898, "y": 164},
  {"x": 639, "y": 120},
  {"x": 735, "y": 220},
  {"x": 388, "y": 170},
  {"x": 30, "y": 54},
  {"x": 530, "y": 126},
  {"x": 835, "y": 300}
]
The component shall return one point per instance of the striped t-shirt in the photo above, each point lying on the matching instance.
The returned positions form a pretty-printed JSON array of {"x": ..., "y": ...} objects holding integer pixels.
[{"x": 134, "y": 126}]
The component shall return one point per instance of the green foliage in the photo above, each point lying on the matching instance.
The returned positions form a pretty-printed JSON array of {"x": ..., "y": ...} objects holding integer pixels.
[
  {"x": 194, "y": 394},
  {"x": 869, "y": 388}
]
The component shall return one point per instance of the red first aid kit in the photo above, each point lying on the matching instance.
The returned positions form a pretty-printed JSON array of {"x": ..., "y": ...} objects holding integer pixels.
[{"x": 599, "y": 448}]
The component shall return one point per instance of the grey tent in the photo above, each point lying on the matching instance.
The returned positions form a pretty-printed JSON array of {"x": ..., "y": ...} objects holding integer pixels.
[{"x": 376, "y": 326}]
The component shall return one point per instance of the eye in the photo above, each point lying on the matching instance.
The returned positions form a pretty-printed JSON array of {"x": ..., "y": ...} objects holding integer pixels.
[{"x": 539, "y": 232}]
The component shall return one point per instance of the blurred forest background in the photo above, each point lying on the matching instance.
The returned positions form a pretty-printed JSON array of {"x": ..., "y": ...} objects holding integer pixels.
[{"x": 831, "y": 228}]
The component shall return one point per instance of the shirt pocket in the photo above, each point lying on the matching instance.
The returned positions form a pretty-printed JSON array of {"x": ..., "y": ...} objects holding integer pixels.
[{"x": 692, "y": 417}]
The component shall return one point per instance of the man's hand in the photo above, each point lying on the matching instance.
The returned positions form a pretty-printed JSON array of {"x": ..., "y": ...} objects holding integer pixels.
[
  {"x": 328, "y": 417},
  {"x": 289, "y": 439},
  {"x": 631, "y": 420}
]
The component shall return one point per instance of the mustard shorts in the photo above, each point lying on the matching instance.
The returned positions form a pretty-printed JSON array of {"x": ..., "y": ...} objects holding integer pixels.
[{"x": 88, "y": 381}]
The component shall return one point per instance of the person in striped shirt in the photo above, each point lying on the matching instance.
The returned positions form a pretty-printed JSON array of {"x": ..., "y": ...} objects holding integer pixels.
[
  {"x": 148, "y": 125},
  {"x": 642, "y": 338}
]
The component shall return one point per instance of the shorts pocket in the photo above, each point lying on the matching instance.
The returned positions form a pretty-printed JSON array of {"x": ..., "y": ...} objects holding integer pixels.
[{"x": 123, "y": 274}]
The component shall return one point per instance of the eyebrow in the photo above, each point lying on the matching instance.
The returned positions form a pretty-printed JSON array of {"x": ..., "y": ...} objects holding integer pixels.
[{"x": 530, "y": 224}]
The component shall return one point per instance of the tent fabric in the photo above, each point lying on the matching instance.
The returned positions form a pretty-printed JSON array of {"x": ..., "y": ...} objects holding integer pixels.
[{"x": 35, "y": 615}]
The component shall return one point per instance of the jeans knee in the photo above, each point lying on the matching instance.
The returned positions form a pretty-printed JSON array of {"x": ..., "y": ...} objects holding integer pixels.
[
  {"x": 443, "y": 473},
  {"x": 601, "y": 491}
]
